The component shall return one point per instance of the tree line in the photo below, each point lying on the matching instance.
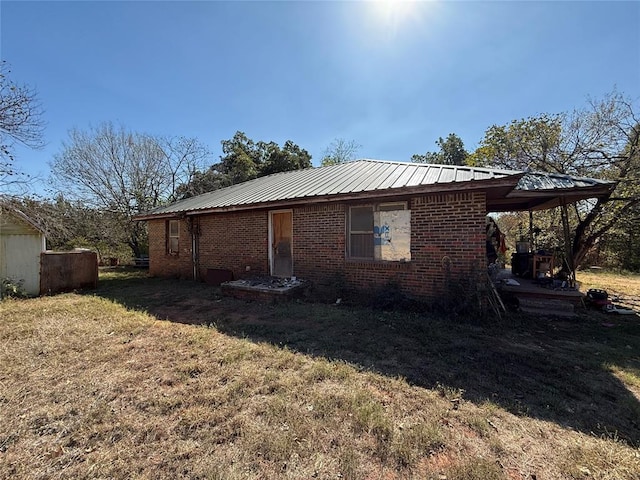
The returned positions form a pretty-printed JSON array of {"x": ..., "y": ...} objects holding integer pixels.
[{"x": 108, "y": 174}]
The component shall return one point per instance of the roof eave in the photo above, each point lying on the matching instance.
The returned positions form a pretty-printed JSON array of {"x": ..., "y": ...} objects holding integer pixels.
[{"x": 522, "y": 200}]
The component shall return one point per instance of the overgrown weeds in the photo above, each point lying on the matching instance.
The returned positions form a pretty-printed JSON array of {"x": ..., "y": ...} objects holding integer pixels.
[{"x": 12, "y": 288}]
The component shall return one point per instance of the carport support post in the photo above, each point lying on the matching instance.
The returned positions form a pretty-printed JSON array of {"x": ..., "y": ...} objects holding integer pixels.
[
  {"x": 532, "y": 247},
  {"x": 564, "y": 214}
]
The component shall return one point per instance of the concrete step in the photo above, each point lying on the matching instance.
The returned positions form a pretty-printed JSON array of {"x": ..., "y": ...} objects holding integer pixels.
[{"x": 547, "y": 307}]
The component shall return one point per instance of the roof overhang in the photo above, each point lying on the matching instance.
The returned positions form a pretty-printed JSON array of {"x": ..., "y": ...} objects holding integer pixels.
[{"x": 523, "y": 200}]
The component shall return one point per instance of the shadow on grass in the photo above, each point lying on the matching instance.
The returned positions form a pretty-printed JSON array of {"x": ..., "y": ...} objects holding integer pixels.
[{"x": 560, "y": 371}]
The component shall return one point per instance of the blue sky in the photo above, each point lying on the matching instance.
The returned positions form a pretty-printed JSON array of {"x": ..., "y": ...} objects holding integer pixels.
[{"x": 393, "y": 78}]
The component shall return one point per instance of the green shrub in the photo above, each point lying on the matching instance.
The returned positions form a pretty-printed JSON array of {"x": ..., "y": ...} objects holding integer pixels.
[{"x": 12, "y": 288}]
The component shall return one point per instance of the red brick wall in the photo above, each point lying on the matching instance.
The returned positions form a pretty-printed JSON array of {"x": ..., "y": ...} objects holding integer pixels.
[
  {"x": 318, "y": 240},
  {"x": 235, "y": 241},
  {"x": 447, "y": 233},
  {"x": 163, "y": 264}
]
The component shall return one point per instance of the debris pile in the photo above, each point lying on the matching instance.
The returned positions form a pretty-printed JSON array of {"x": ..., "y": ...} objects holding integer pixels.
[
  {"x": 600, "y": 300},
  {"x": 266, "y": 283}
]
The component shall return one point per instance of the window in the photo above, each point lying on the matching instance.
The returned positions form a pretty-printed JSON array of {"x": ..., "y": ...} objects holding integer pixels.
[
  {"x": 380, "y": 232},
  {"x": 173, "y": 237},
  {"x": 361, "y": 232}
]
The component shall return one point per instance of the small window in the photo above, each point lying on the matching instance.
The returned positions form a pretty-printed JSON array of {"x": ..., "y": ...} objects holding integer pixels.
[
  {"x": 173, "y": 237},
  {"x": 380, "y": 232}
]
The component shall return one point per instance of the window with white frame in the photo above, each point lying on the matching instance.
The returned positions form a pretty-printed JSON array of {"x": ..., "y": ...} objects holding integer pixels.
[
  {"x": 380, "y": 231},
  {"x": 173, "y": 237}
]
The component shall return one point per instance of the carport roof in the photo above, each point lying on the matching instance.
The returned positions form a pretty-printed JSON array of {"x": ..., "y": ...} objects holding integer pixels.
[
  {"x": 540, "y": 191},
  {"x": 367, "y": 178}
]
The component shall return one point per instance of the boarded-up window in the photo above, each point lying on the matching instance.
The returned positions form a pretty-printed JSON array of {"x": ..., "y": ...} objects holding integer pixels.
[
  {"x": 392, "y": 235},
  {"x": 173, "y": 237},
  {"x": 380, "y": 232}
]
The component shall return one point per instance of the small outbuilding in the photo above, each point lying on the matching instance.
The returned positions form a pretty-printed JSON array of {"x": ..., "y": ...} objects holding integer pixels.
[{"x": 21, "y": 243}]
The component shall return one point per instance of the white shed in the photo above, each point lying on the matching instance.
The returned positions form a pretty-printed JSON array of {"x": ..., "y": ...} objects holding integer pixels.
[{"x": 21, "y": 243}]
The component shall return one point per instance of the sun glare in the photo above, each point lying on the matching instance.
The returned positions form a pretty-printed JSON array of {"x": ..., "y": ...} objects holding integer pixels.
[{"x": 393, "y": 12}]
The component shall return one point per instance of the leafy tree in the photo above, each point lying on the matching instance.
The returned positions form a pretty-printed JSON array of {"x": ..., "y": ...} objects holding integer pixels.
[
  {"x": 623, "y": 242},
  {"x": 20, "y": 123},
  {"x": 600, "y": 141},
  {"x": 340, "y": 151},
  {"x": 285, "y": 159},
  {"x": 202, "y": 182},
  {"x": 532, "y": 144},
  {"x": 242, "y": 160},
  {"x": 125, "y": 173},
  {"x": 245, "y": 159},
  {"x": 452, "y": 152}
]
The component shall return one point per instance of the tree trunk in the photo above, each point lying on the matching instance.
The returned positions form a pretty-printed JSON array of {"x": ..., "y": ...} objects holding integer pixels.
[
  {"x": 138, "y": 239},
  {"x": 135, "y": 248}
]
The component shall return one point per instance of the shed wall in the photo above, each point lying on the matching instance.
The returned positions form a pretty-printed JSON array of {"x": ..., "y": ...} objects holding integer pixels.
[
  {"x": 20, "y": 247},
  {"x": 20, "y": 260}
]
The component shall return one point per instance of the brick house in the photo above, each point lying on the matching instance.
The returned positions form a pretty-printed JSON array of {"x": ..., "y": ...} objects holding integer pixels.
[{"x": 370, "y": 221}]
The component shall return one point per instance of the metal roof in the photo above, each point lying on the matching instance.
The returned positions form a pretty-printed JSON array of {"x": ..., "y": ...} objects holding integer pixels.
[
  {"x": 540, "y": 191},
  {"x": 512, "y": 190},
  {"x": 553, "y": 181},
  {"x": 353, "y": 177}
]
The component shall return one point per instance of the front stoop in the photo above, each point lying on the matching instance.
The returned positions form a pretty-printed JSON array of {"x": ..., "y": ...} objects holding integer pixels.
[
  {"x": 263, "y": 291},
  {"x": 547, "y": 307}
]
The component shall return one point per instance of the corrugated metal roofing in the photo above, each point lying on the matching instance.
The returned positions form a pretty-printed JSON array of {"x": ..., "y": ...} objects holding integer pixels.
[
  {"x": 537, "y": 181},
  {"x": 345, "y": 178}
]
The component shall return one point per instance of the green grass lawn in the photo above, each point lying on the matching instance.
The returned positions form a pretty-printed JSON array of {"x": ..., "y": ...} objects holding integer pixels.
[{"x": 150, "y": 378}]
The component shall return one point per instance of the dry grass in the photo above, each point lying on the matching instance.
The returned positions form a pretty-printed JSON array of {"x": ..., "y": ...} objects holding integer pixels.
[{"x": 160, "y": 379}]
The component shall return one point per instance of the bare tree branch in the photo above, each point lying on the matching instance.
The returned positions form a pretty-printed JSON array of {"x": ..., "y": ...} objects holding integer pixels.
[
  {"x": 126, "y": 173},
  {"x": 20, "y": 123}
]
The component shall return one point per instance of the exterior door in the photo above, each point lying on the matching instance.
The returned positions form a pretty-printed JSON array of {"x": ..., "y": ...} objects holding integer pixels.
[{"x": 281, "y": 244}]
